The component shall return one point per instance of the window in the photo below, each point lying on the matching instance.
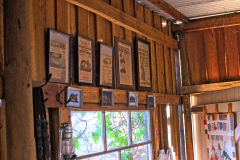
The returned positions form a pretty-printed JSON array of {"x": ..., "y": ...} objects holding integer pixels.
[{"x": 112, "y": 135}]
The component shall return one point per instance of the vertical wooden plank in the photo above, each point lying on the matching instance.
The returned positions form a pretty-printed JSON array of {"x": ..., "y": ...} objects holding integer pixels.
[
  {"x": 164, "y": 25},
  {"x": 184, "y": 61},
  {"x": 156, "y": 131},
  {"x": 163, "y": 128},
  {"x": 54, "y": 131},
  {"x": 103, "y": 30},
  {"x": 177, "y": 67},
  {"x": 18, "y": 79},
  {"x": 128, "y": 7},
  {"x": 50, "y": 9},
  {"x": 188, "y": 127},
  {"x": 160, "y": 69},
  {"x": 174, "y": 86},
  {"x": 211, "y": 55},
  {"x": 148, "y": 16},
  {"x": 231, "y": 46},
  {"x": 139, "y": 14},
  {"x": 1, "y": 38},
  {"x": 153, "y": 67},
  {"x": 168, "y": 70},
  {"x": 220, "y": 42},
  {"x": 196, "y": 57},
  {"x": 38, "y": 37},
  {"x": 3, "y": 134},
  {"x": 157, "y": 21}
]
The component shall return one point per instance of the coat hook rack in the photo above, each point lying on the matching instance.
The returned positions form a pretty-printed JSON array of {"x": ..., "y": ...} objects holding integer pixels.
[{"x": 58, "y": 95}]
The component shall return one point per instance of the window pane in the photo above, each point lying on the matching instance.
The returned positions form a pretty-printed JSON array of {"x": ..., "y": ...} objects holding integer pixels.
[
  {"x": 117, "y": 129},
  {"x": 140, "y": 127},
  {"x": 137, "y": 153},
  {"x": 109, "y": 156},
  {"x": 87, "y": 132}
]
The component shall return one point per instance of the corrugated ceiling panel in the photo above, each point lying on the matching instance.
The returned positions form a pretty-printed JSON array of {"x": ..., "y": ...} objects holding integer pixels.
[{"x": 197, "y": 8}]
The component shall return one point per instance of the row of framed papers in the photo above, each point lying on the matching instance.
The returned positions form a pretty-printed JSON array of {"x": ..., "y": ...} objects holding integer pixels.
[{"x": 102, "y": 64}]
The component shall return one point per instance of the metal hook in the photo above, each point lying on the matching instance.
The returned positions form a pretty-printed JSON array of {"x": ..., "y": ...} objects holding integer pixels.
[
  {"x": 48, "y": 79},
  {"x": 58, "y": 98}
]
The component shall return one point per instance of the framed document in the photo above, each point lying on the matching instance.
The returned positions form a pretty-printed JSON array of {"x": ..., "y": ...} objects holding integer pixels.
[
  {"x": 106, "y": 66},
  {"x": 143, "y": 62},
  {"x": 133, "y": 99},
  {"x": 124, "y": 65},
  {"x": 85, "y": 48},
  {"x": 151, "y": 101},
  {"x": 58, "y": 56},
  {"x": 75, "y": 96},
  {"x": 107, "y": 98}
]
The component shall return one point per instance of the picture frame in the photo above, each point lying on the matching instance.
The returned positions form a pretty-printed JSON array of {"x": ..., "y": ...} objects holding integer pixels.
[
  {"x": 105, "y": 63},
  {"x": 143, "y": 65},
  {"x": 58, "y": 62},
  {"x": 107, "y": 98},
  {"x": 132, "y": 99},
  {"x": 75, "y": 96},
  {"x": 85, "y": 61},
  {"x": 124, "y": 64},
  {"x": 151, "y": 101}
]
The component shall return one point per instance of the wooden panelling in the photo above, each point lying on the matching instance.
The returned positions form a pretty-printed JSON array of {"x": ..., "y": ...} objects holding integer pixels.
[
  {"x": 168, "y": 70},
  {"x": 196, "y": 57},
  {"x": 160, "y": 69},
  {"x": 211, "y": 55},
  {"x": 220, "y": 43},
  {"x": 3, "y": 135},
  {"x": 1, "y": 38},
  {"x": 232, "y": 53}
]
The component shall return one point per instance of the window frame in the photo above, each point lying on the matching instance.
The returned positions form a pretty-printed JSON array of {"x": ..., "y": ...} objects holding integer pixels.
[{"x": 130, "y": 144}]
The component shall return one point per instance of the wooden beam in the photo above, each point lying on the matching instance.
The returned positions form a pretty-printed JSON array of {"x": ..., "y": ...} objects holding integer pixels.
[
  {"x": 91, "y": 95},
  {"x": 123, "y": 19},
  {"x": 208, "y": 87},
  {"x": 18, "y": 79},
  {"x": 209, "y": 23},
  {"x": 162, "y": 5}
]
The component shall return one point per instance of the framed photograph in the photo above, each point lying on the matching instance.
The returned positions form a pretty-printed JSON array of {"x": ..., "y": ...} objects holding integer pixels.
[
  {"x": 105, "y": 66},
  {"x": 124, "y": 64},
  {"x": 107, "y": 98},
  {"x": 76, "y": 97},
  {"x": 151, "y": 101},
  {"x": 86, "y": 54},
  {"x": 58, "y": 56},
  {"x": 143, "y": 65},
  {"x": 133, "y": 99}
]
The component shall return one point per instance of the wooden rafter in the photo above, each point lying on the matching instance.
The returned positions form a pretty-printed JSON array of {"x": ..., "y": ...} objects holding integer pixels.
[
  {"x": 208, "y": 87},
  {"x": 121, "y": 18},
  {"x": 210, "y": 23},
  {"x": 162, "y": 5}
]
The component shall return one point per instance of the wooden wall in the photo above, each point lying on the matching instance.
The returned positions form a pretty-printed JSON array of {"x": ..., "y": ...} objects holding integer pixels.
[
  {"x": 211, "y": 55},
  {"x": 69, "y": 18}
]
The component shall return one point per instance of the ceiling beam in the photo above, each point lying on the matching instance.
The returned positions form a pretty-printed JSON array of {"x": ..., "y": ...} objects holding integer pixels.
[
  {"x": 162, "y": 5},
  {"x": 226, "y": 20},
  {"x": 208, "y": 87}
]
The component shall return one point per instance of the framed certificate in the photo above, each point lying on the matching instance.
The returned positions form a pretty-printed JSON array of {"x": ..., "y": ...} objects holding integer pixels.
[
  {"x": 58, "y": 56},
  {"x": 85, "y": 72},
  {"x": 143, "y": 65},
  {"x": 133, "y": 99},
  {"x": 124, "y": 65},
  {"x": 106, "y": 66}
]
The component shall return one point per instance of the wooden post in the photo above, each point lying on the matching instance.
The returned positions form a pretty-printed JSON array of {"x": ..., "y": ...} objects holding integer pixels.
[
  {"x": 18, "y": 80},
  {"x": 188, "y": 128}
]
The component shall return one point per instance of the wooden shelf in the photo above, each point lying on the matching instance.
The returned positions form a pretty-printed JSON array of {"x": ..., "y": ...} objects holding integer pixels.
[{"x": 91, "y": 96}]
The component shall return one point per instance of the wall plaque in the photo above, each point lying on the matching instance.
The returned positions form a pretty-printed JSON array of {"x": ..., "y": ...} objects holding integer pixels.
[
  {"x": 143, "y": 59},
  {"x": 151, "y": 101},
  {"x": 58, "y": 58},
  {"x": 107, "y": 98},
  {"x": 133, "y": 99},
  {"x": 124, "y": 65},
  {"x": 106, "y": 66},
  {"x": 85, "y": 60}
]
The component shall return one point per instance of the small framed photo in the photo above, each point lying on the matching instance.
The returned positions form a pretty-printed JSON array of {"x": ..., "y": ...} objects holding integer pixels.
[
  {"x": 86, "y": 55},
  {"x": 124, "y": 64},
  {"x": 106, "y": 66},
  {"x": 133, "y": 99},
  {"x": 151, "y": 101},
  {"x": 75, "y": 96},
  {"x": 107, "y": 98},
  {"x": 143, "y": 65},
  {"x": 58, "y": 56}
]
